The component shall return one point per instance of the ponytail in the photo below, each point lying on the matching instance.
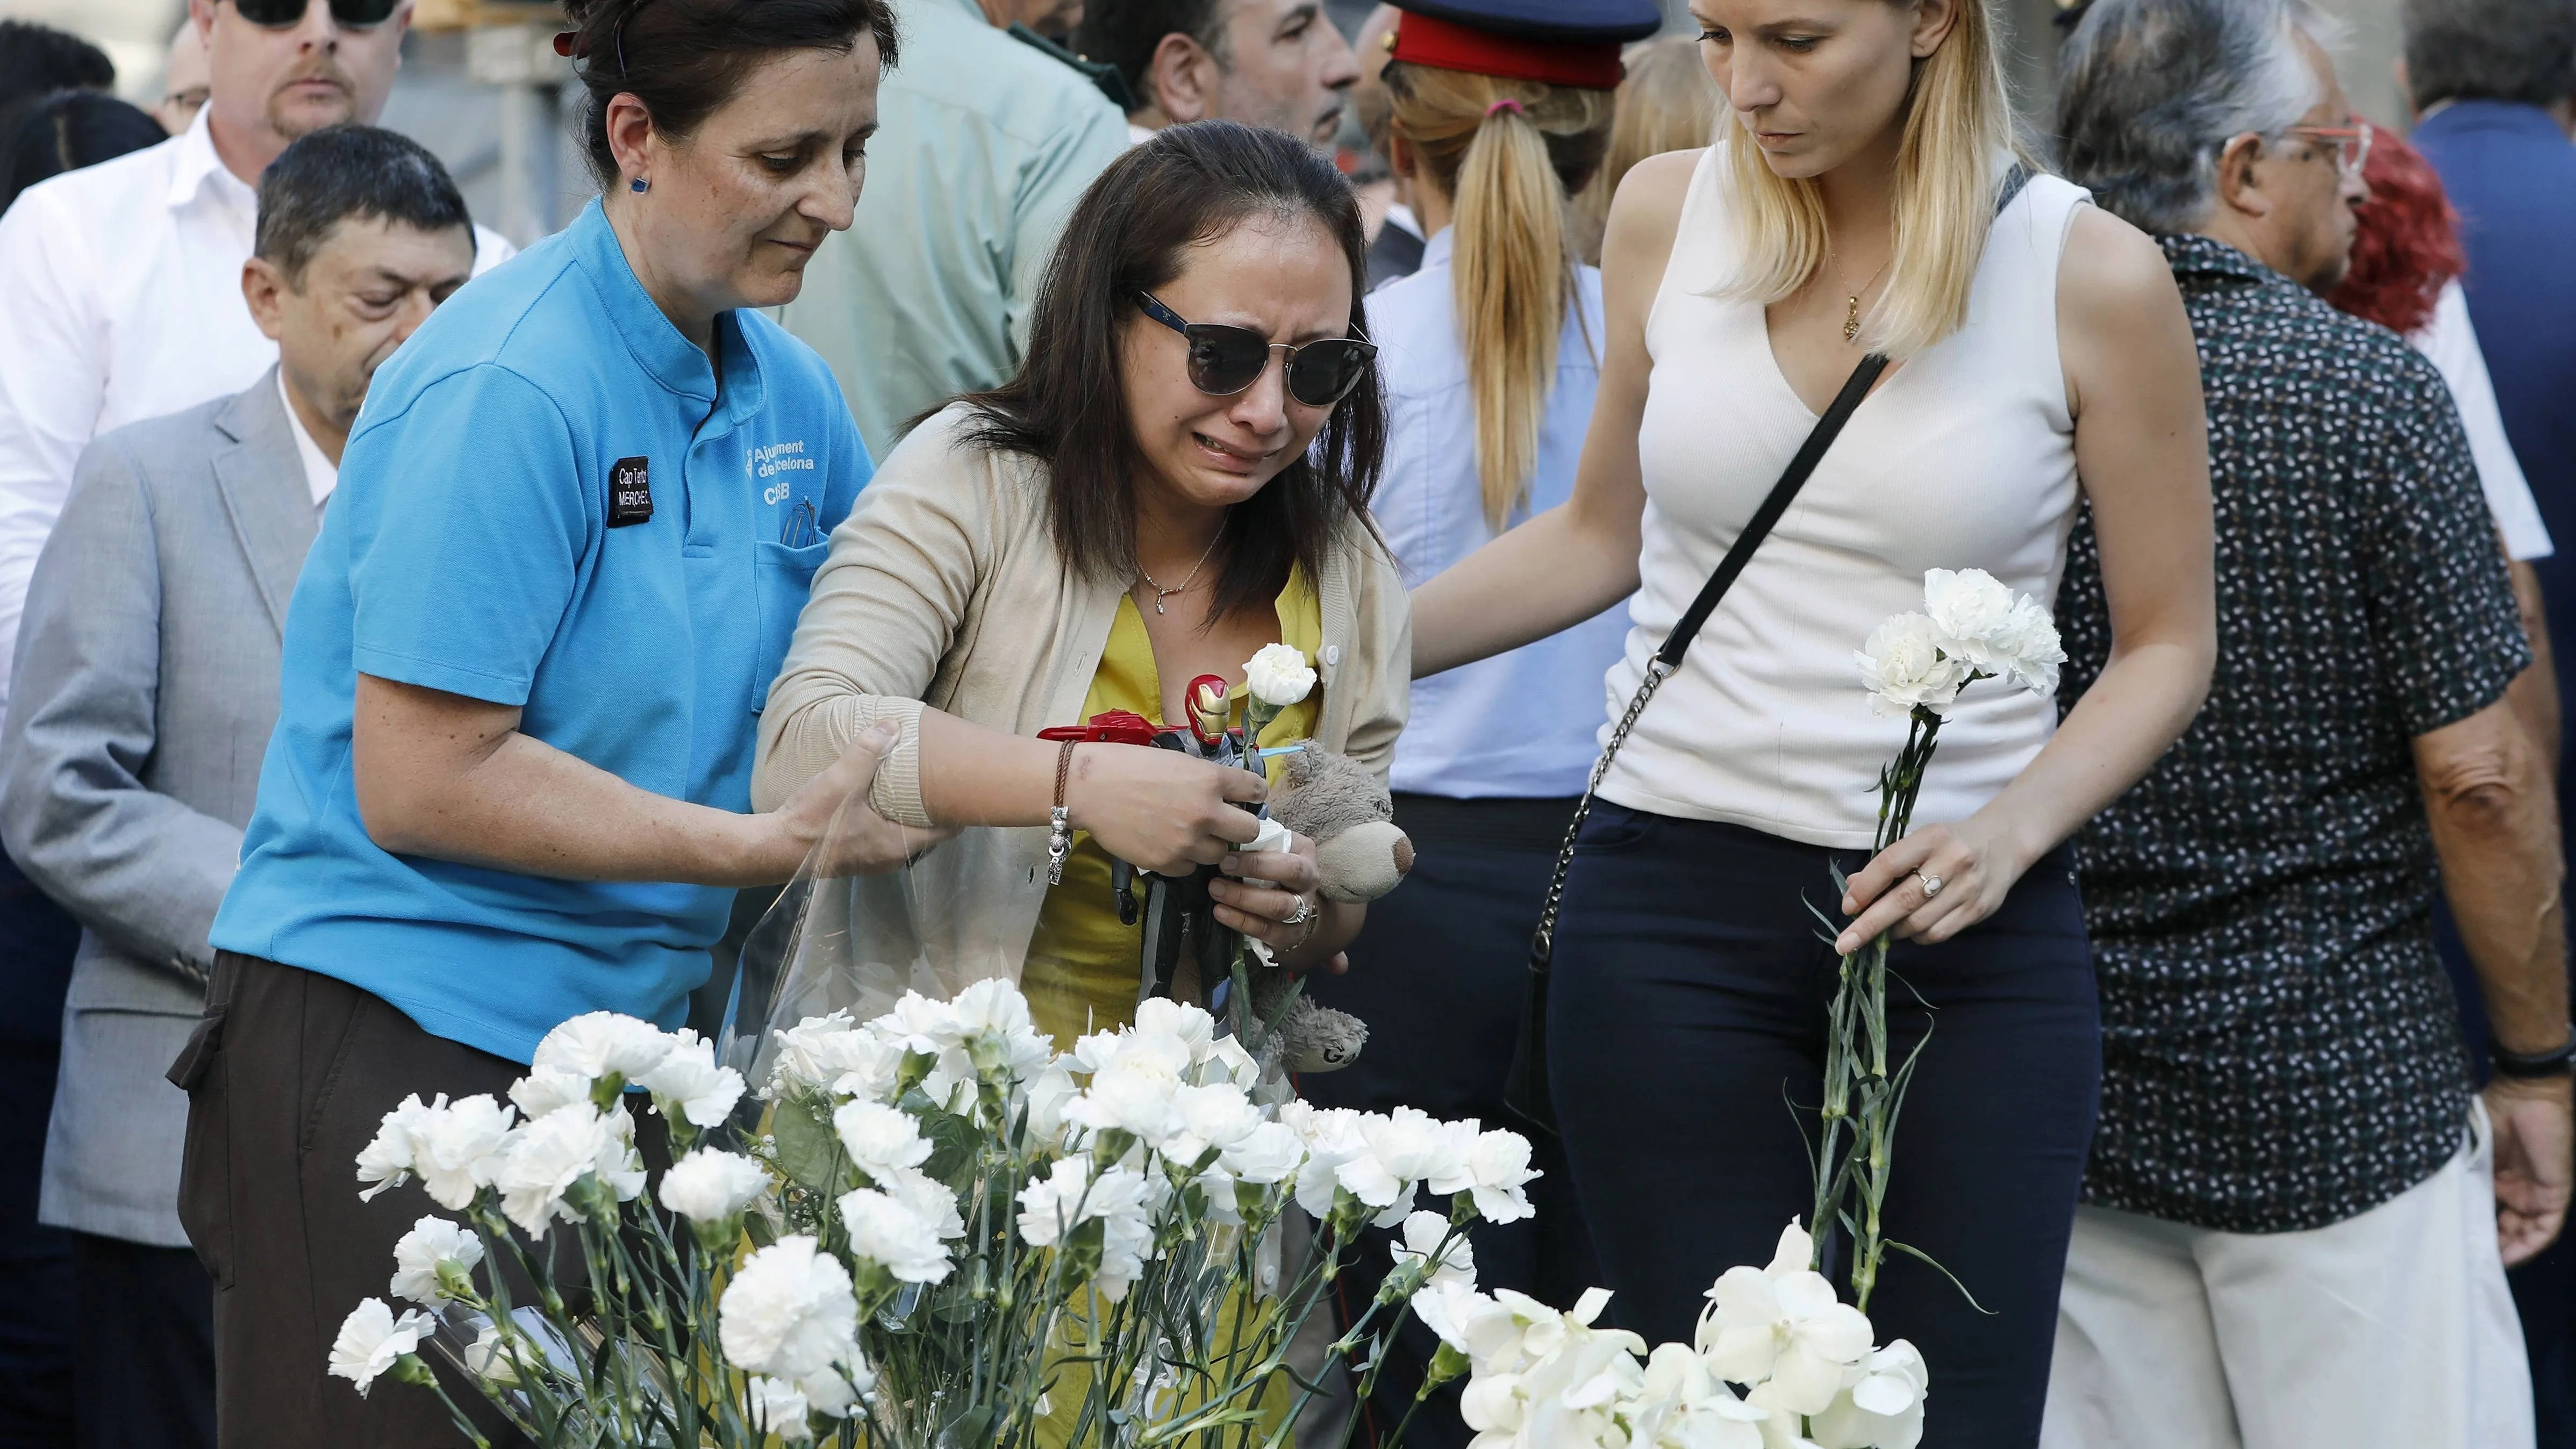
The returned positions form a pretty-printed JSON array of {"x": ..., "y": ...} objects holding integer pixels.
[{"x": 1509, "y": 154}]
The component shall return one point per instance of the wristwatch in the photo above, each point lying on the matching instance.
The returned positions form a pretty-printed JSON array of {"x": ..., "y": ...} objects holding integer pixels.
[{"x": 2558, "y": 1061}]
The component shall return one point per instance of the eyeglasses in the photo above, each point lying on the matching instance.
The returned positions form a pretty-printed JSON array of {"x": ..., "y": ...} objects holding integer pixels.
[
  {"x": 279, "y": 14},
  {"x": 1226, "y": 360},
  {"x": 2351, "y": 144}
]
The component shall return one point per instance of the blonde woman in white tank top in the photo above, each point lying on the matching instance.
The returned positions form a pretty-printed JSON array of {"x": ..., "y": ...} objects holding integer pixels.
[{"x": 2041, "y": 360}]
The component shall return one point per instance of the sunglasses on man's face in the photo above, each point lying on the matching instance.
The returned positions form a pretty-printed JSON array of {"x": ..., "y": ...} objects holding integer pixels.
[
  {"x": 1226, "y": 360},
  {"x": 280, "y": 14}
]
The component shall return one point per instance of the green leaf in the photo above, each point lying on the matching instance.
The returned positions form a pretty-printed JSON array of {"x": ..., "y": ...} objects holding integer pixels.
[
  {"x": 1911, "y": 1251},
  {"x": 809, "y": 1151}
]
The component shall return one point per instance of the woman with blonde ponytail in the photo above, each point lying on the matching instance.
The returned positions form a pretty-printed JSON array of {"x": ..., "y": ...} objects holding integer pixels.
[
  {"x": 1863, "y": 197},
  {"x": 1490, "y": 355}
]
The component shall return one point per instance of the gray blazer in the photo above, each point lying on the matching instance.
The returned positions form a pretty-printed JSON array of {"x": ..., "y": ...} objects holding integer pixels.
[{"x": 144, "y": 691}]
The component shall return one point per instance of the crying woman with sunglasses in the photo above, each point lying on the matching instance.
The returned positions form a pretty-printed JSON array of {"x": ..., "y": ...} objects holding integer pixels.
[{"x": 1178, "y": 475}]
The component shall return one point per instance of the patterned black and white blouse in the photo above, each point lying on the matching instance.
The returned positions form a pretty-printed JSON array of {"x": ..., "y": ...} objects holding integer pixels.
[{"x": 2281, "y": 1050}]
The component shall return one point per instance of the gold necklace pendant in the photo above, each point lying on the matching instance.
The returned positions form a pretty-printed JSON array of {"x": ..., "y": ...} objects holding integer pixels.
[{"x": 1851, "y": 318}]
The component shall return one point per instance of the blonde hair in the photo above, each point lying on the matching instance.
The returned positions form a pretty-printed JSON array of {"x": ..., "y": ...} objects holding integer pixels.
[
  {"x": 1667, "y": 103},
  {"x": 1508, "y": 154},
  {"x": 1958, "y": 126}
]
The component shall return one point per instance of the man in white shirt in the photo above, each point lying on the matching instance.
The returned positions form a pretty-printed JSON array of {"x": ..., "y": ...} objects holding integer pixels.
[
  {"x": 145, "y": 694},
  {"x": 120, "y": 285}
]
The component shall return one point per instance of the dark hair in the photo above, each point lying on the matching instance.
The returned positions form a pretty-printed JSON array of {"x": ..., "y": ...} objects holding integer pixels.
[
  {"x": 339, "y": 172},
  {"x": 68, "y": 130},
  {"x": 36, "y": 58},
  {"x": 685, "y": 58},
  {"x": 1067, "y": 406},
  {"x": 1125, "y": 34},
  {"x": 2495, "y": 50},
  {"x": 2407, "y": 245}
]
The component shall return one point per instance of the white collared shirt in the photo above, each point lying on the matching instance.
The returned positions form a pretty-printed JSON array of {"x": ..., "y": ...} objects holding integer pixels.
[
  {"x": 120, "y": 299},
  {"x": 2450, "y": 341},
  {"x": 321, "y": 475}
]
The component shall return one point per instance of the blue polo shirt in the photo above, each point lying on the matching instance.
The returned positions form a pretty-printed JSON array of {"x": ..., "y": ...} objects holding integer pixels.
[{"x": 550, "y": 503}]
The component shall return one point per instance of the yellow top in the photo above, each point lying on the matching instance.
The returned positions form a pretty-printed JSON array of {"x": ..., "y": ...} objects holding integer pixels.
[{"x": 1082, "y": 969}]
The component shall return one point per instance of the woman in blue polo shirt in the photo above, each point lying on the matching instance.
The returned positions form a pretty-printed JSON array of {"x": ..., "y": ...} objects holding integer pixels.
[{"x": 523, "y": 668}]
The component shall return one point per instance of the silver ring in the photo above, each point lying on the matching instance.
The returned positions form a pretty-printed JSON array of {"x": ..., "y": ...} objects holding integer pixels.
[
  {"x": 1298, "y": 917},
  {"x": 1931, "y": 884}
]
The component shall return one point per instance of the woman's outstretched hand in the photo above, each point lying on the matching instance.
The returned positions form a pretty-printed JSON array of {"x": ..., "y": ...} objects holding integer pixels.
[
  {"x": 832, "y": 811},
  {"x": 1161, "y": 810},
  {"x": 1973, "y": 862}
]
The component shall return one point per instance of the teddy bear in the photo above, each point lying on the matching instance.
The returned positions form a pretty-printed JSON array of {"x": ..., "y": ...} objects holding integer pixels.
[{"x": 1338, "y": 803}]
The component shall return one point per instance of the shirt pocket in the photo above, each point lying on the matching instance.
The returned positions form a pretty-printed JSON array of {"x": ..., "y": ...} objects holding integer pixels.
[{"x": 782, "y": 575}]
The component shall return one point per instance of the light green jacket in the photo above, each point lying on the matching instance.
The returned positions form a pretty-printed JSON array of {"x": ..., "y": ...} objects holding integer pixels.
[{"x": 983, "y": 146}]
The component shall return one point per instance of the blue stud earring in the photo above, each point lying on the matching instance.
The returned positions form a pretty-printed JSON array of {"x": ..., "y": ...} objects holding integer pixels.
[{"x": 639, "y": 185}]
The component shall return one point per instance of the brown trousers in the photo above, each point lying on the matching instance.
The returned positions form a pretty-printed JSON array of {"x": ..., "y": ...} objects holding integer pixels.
[{"x": 288, "y": 1077}]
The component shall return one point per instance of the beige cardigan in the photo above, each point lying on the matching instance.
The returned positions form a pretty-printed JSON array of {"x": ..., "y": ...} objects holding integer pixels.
[{"x": 945, "y": 587}]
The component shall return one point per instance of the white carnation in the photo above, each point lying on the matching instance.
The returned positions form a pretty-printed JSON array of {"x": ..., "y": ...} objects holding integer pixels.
[
  {"x": 600, "y": 1043},
  {"x": 2032, "y": 650},
  {"x": 1278, "y": 675},
  {"x": 454, "y": 1148},
  {"x": 880, "y": 1140},
  {"x": 1970, "y": 610},
  {"x": 689, "y": 1084},
  {"x": 386, "y": 1161},
  {"x": 1422, "y": 1241},
  {"x": 544, "y": 1089},
  {"x": 929, "y": 1198},
  {"x": 1269, "y": 1153},
  {"x": 790, "y": 1312},
  {"x": 548, "y": 1156},
  {"x": 431, "y": 1245},
  {"x": 371, "y": 1340},
  {"x": 1904, "y": 665},
  {"x": 886, "y": 1232},
  {"x": 779, "y": 1408},
  {"x": 713, "y": 1187}
]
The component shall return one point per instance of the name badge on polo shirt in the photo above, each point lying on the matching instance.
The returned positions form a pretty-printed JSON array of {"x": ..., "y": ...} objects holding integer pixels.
[{"x": 630, "y": 493}]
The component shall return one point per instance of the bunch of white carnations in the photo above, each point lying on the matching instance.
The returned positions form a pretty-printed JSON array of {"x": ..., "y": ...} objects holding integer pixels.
[
  {"x": 943, "y": 1231},
  {"x": 1778, "y": 1362}
]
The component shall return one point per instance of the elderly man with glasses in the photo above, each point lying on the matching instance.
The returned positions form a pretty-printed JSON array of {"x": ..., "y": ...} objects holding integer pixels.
[{"x": 2296, "y": 1214}]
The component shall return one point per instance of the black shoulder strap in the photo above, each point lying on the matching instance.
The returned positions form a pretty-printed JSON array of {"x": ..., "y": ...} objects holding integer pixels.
[{"x": 1678, "y": 642}]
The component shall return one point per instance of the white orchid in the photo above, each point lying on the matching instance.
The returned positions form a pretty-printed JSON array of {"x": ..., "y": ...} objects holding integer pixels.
[
  {"x": 1881, "y": 1405},
  {"x": 890, "y": 1234},
  {"x": 1278, "y": 675},
  {"x": 712, "y": 1187},
  {"x": 1904, "y": 666},
  {"x": 790, "y": 1312},
  {"x": 1682, "y": 1405},
  {"x": 1783, "y": 1325},
  {"x": 372, "y": 1341},
  {"x": 434, "y": 1249},
  {"x": 603, "y": 1043}
]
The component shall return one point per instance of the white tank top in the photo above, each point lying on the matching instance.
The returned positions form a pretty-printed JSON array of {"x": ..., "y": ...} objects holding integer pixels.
[{"x": 1963, "y": 458}]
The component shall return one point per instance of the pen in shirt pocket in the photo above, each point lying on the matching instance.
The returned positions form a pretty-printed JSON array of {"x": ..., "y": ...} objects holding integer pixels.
[{"x": 802, "y": 527}]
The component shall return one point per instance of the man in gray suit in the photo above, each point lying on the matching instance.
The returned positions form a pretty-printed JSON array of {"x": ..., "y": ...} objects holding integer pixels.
[{"x": 147, "y": 684}]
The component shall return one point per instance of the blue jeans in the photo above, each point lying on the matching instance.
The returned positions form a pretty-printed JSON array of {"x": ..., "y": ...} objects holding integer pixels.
[{"x": 1688, "y": 1011}]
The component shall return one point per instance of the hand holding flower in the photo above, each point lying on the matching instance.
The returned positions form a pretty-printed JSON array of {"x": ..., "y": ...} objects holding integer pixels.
[{"x": 1976, "y": 862}]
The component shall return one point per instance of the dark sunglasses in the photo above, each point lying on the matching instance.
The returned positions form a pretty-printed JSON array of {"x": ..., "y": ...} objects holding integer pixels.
[
  {"x": 279, "y": 14},
  {"x": 1226, "y": 360}
]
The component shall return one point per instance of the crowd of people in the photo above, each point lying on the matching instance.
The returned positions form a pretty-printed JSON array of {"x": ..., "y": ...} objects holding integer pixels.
[{"x": 410, "y": 644}]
